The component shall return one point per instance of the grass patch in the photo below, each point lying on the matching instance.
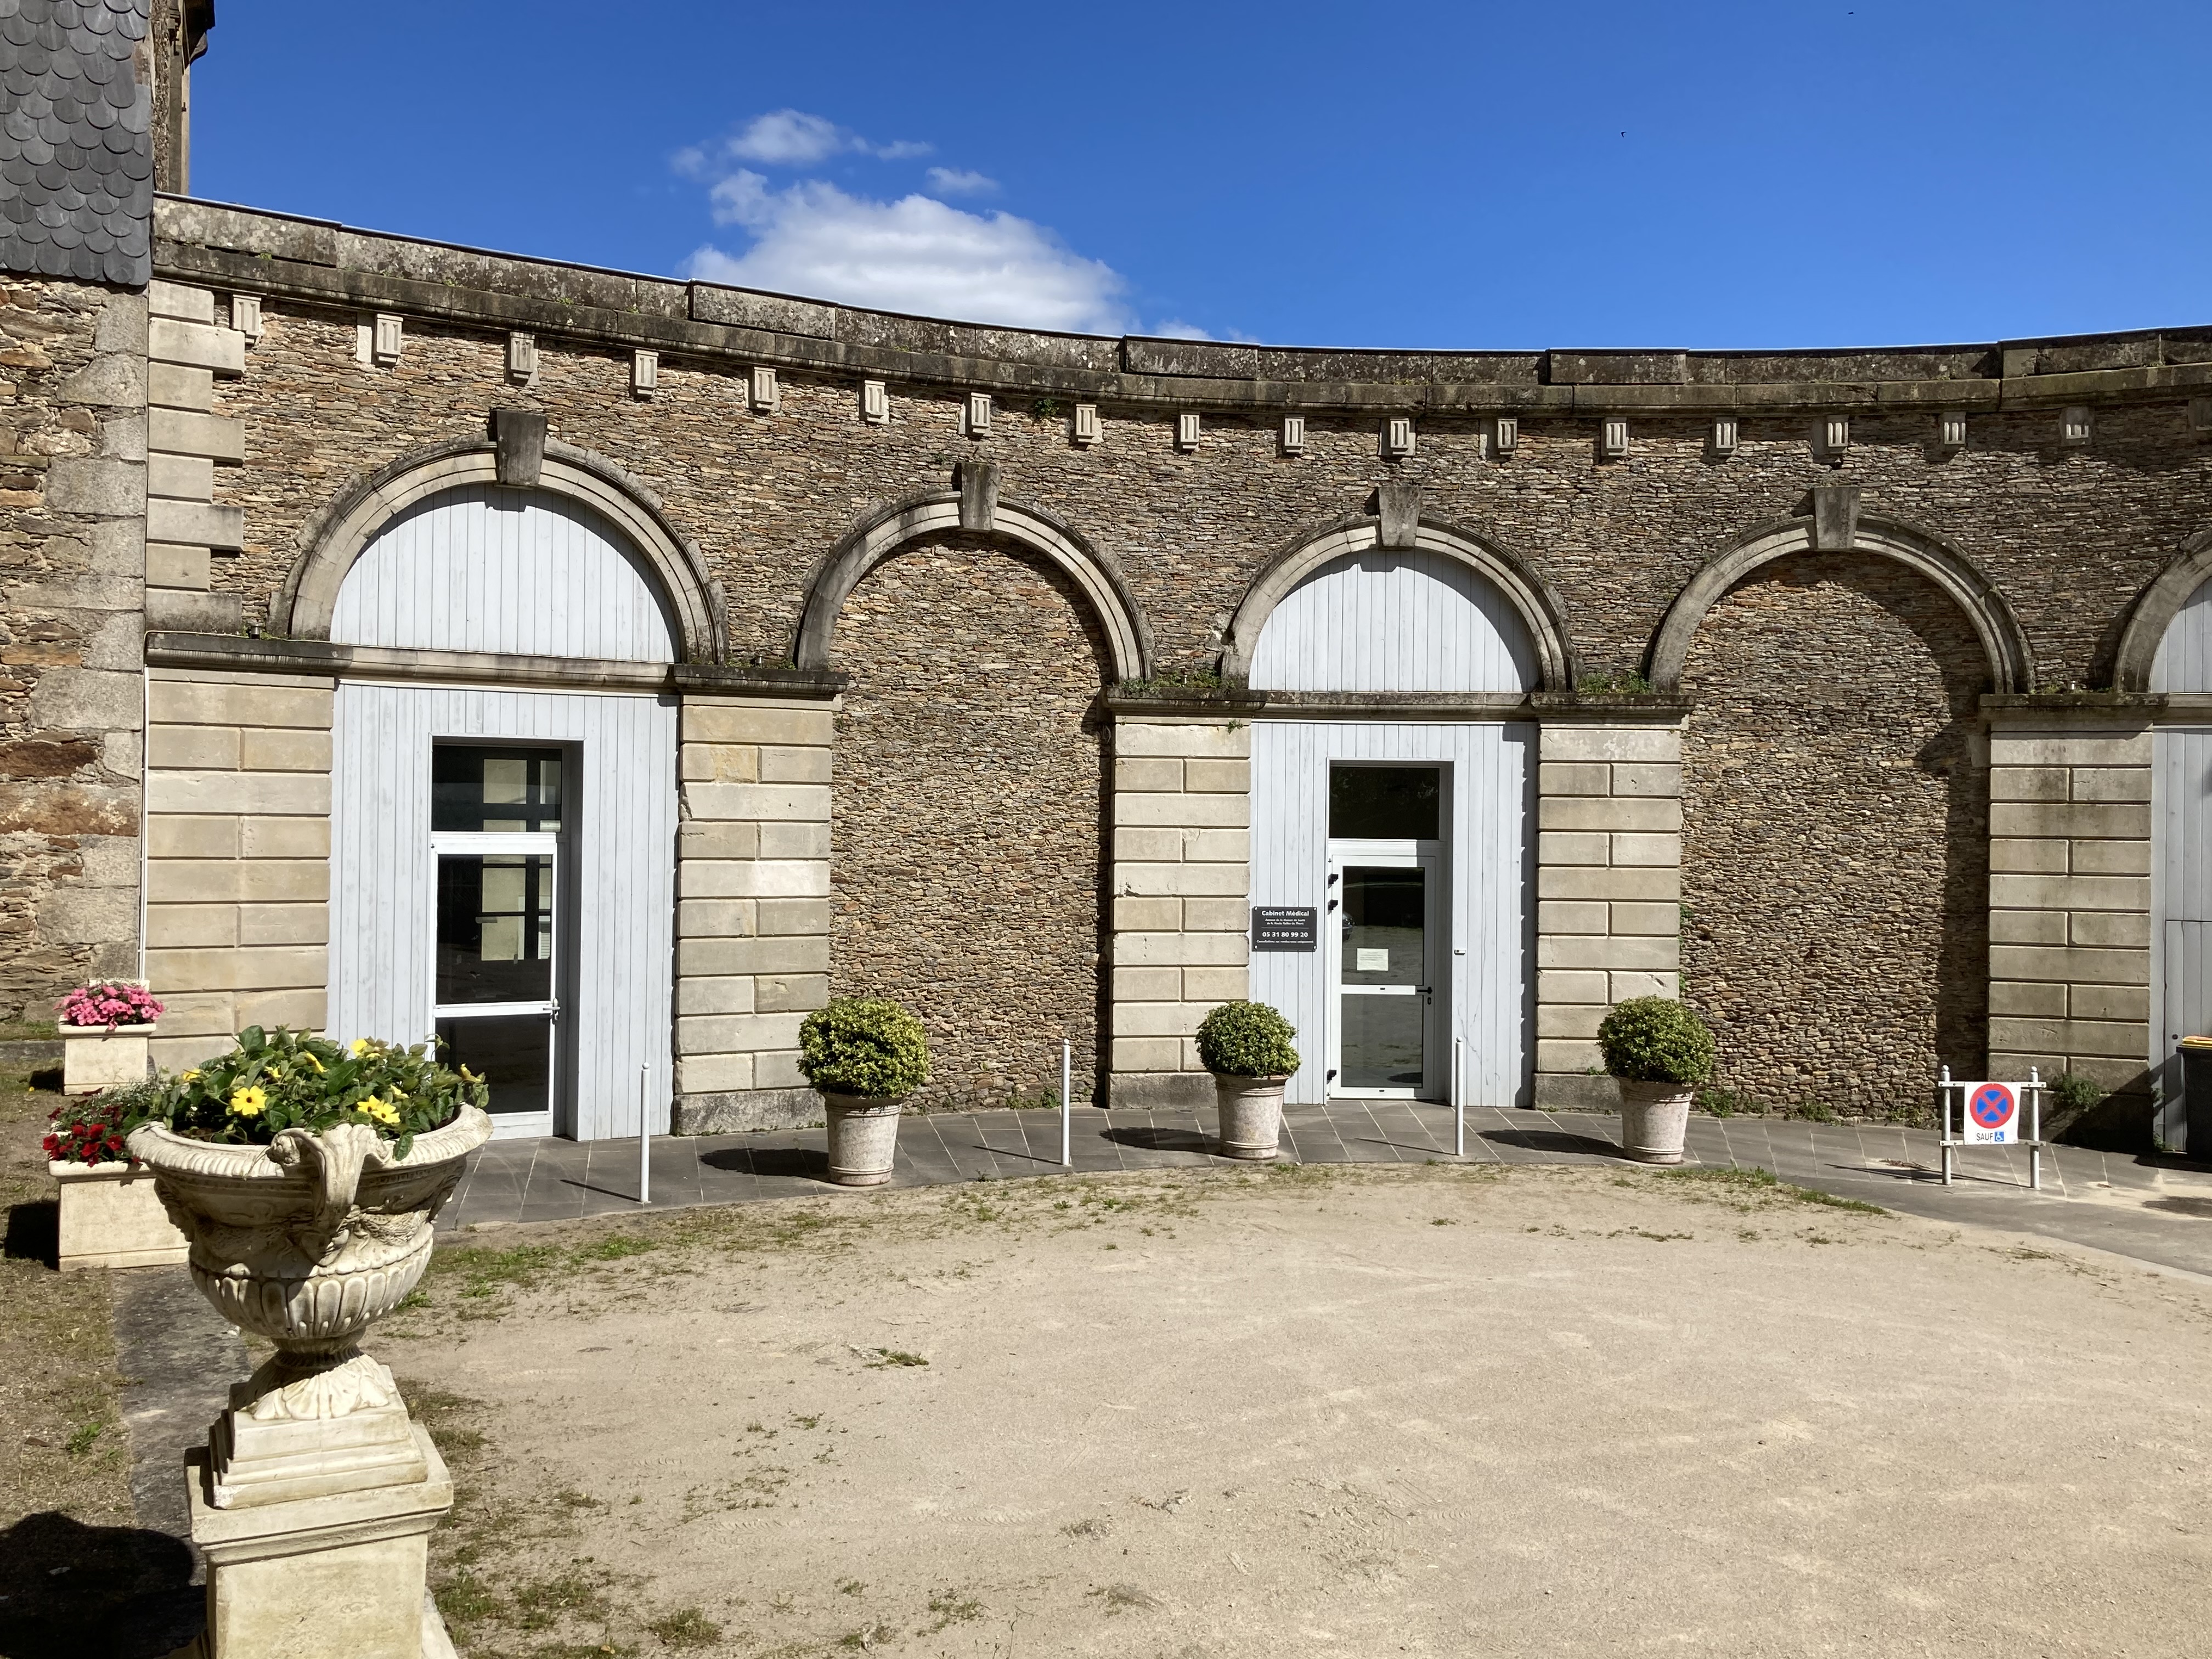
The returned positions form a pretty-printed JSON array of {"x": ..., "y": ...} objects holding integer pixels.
[
  {"x": 1765, "y": 1181},
  {"x": 686, "y": 1627}
]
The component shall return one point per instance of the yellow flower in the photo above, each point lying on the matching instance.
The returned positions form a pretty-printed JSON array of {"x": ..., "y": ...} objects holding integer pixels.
[
  {"x": 192, "y": 1076},
  {"x": 308, "y": 1055},
  {"x": 373, "y": 1108},
  {"x": 360, "y": 1047},
  {"x": 248, "y": 1102}
]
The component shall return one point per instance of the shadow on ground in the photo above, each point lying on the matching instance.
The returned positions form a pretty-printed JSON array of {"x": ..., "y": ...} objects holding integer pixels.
[
  {"x": 1151, "y": 1139},
  {"x": 33, "y": 1231},
  {"x": 812, "y": 1162},
  {"x": 70, "y": 1591},
  {"x": 1551, "y": 1140}
]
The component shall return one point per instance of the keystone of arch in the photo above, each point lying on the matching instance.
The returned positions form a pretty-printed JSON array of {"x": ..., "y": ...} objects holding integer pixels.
[
  {"x": 882, "y": 533},
  {"x": 303, "y": 606},
  {"x": 1532, "y": 597},
  {"x": 2005, "y": 644}
]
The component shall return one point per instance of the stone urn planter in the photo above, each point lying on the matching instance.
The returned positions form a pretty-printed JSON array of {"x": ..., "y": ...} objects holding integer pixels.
[
  {"x": 1658, "y": 1052},
  {"x": 1654, "y": 1119},
  {"x": 863, "y": 1139},
  {"x": 97, "y": 1057},
  {"x": 1247, "y": 1048},
  {"x": 307, "y": 1242},
  {"x": 865, "y": 1056},
  {"x": 1251, "y": 1115},
  {"x": 111, "y": 1216}
]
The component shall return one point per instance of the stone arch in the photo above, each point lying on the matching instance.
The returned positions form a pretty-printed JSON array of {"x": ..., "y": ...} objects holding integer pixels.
[
  {"x": 1835, "y": 833},
  {"x": 939, "y": 512},
  {"x": 968, "y": 789},
  {"x": 2012, "y": 662},
  {"x": 1530, "y": 596},
  {"x": 2154, "y": 610},
  {"x": 302, "y": 608}
]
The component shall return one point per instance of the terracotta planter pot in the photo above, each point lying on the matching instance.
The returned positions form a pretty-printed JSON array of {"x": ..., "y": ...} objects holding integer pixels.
[
  {"x": 94, "y": 1057},
  {"x": 308, "y": 1241},
  {"x": 1251, "y": 1110},
  {"x": 863, "y": 1139},
  {"x": 112, "y": 1218},
  {"x": 1654, "y": 1119}
]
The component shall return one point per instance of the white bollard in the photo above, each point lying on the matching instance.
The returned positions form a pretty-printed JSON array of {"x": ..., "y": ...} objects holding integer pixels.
[
  {"x": 1459, "y": 1097},
  {"x": 644, "y": 1138},
  {"x": 1067, "y": 1101}
]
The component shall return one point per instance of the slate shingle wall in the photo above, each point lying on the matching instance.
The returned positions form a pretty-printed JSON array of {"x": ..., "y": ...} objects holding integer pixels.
[{"x": 77, "y": 150}]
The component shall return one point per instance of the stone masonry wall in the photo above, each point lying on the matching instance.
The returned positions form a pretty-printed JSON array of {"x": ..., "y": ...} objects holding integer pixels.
[
  {"x": 2070, "y": 908},
  {"x": 965, "y": 880},
  {"x": 2071, "y": 533},
  {"x": 72, "y": 584},
  {"x": 752, "y": 913},
  {"x": 1609, "y": 890},
  {"x": 238, "y": 869},
  {"x": 1835, "y": 860},
  {"x": 1181, "y": 880}
]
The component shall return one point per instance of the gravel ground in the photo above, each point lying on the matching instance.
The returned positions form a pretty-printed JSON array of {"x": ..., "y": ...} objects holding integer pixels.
[{"x": 1426, "y": 1410}]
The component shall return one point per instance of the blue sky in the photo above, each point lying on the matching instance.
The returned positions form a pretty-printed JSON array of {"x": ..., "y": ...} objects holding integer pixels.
[{"x": 1578, "y": 173}]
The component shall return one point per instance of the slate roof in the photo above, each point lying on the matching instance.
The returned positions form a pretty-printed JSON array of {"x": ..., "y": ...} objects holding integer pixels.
[{"x": 76, "y": 140}]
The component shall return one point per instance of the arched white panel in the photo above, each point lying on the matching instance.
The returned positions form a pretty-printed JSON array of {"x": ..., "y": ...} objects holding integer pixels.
[
  {"x": 2184, "y": 662},
  {"x": 519, "y": 571},
  {"x": 1394, "y": 622}
]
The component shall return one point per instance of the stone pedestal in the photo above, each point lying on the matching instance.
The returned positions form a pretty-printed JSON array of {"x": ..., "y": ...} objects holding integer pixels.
[
  {"x": 97, "y": 1057},
  {"x": 111, "y": 1217},
  {"x": 337, "y": 1576}
]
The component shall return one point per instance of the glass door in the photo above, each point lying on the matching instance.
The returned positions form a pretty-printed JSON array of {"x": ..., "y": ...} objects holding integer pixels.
[
  {"x": 495, "y": 841},
  {"x": 1386, "y": 956}
]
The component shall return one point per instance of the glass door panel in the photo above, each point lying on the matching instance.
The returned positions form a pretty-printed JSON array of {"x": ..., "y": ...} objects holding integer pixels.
[
  {"x": 496, "y": 817},
  {"x": 1383, "y": 978},
  {"x": 495, "y": 927}
]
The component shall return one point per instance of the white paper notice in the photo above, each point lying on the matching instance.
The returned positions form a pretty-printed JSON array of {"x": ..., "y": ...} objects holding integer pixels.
[{"x": 1371, "y": 962}]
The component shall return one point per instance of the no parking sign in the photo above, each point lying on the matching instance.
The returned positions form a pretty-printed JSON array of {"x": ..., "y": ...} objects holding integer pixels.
[{"x": 1993, "y": 1116}]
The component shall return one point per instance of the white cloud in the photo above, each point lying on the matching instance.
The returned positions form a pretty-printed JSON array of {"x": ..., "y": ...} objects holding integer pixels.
[
  {"x": 915, "y": 254},
  {"x": 957, "y": 181},
  {"x": 788, "y": 138},
  {"x": 1173, "y": 328}
]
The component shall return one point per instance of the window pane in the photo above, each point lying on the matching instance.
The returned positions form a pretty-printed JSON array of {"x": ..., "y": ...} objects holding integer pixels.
[
  {"x": 1384, "y": 803},
  {"x": 1381, "y": 1043},
  {"x": 475, "y": 788},
  {"x": 1385, "y": 912},
  {"x": 514, "y": 1056},
  {"x": 495, "y": 927}
]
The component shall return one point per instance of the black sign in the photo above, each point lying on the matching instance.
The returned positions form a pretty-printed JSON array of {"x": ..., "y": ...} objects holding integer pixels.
[{"x": 1284, "y": 927}]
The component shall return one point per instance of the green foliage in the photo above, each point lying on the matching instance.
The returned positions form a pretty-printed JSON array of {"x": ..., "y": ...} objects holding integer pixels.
[
  {"x": 865, "y": 1046},
  {"x": 1174, "y": 679},
  {"x": 1247, "y": 1039},
  {"x": 1613, "y": 683},
  {"x": 283, "y": 1080},
  {"x": 2071, "y": 1092},
  {"x": 1655, "y": 1040},
  {"x": 91, "y": 1128}
]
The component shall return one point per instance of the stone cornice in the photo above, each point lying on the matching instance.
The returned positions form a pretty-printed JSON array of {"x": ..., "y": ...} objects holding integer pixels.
[
  {"x": 321, "y": 263},
  {"x": 234, "y": 653}
]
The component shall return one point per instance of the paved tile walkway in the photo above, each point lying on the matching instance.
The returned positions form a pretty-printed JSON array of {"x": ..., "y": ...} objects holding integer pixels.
[{"x": 2155, "y": 1210}]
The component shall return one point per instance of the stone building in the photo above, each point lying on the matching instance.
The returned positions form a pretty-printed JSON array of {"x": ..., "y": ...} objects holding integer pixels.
[{"x": 603, "y": 670}]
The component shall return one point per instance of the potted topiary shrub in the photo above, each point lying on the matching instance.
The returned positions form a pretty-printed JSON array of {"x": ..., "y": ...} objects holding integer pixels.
[
  {"x": 109, "y": 1216},
  {"x": 1659, "y": 1052},
  {"x": 306, "y": 1176},
  {"x": 866, "y": 1054},
  {"x": 1247, "y": 1048},
  {"x": 104, "y": 1027}
]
